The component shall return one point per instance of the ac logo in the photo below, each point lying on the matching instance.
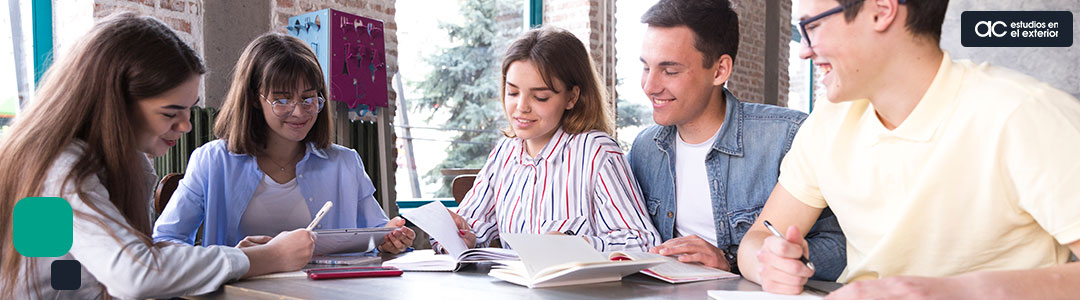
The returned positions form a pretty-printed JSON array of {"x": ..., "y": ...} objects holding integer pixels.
[{"x": 991, "y": 28}]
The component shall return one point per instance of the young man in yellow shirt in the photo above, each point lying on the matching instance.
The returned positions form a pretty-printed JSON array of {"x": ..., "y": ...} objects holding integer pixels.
[{"x": 950, "y": 180}]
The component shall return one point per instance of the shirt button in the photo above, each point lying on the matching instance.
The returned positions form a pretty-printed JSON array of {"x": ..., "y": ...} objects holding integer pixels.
[
  {"x": 670, "y": 214},
  {"x": 310, "y": 199},
  {"x": 301, "y": 175}
]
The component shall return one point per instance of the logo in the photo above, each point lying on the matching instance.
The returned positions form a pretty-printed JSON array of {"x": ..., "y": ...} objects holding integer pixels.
[
  {"x": 1016, "y": 28},
  {"x": 991, "y": 28},
  {"x": 42, "y": 227}
]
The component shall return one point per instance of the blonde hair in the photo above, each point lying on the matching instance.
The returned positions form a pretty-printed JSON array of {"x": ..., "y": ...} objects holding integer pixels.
[
  {"x": 91, "y": 95},
  {"x": 271, "y": 60},
  {"x": 557, "y": 53}
]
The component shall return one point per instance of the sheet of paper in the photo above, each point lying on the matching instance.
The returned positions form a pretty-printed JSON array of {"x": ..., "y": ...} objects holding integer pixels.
[
  {"x": 748, "y": 295},
  {"x": 436, "y": 221}
]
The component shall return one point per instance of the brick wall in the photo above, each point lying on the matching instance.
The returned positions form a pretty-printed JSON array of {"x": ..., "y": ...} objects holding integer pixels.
[
  {"x": 184, "y": 16},
  {"x": 592, "y": 21},
  {"x": 748, "y": 80}
]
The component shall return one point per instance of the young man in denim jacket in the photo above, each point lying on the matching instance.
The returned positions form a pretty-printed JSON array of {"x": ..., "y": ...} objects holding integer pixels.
[{"x": 709, "y": 165}]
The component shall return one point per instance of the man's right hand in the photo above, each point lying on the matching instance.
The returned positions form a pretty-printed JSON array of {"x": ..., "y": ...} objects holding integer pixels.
[
  {"x": 781, "y": 271},
  {"x": 464, "y": 230},
  {"x": 693, "y": 249}
]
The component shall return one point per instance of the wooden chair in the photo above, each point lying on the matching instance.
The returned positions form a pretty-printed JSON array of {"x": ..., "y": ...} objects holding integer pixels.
[
  {"x": 165, "y": 189},
  {"x": 461, "y": 186}
]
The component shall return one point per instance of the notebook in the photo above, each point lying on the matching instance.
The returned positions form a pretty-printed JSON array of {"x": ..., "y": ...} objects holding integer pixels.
[
  {"x": 428, "y": 261},
  {"x": 558, "y": 260}
]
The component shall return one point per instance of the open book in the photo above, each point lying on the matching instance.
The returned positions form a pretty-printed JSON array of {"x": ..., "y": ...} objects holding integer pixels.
[
  {"x": 558, "y": 260},
  {"x": 428, "y": 260},
  {"x": 673, "y": 270},
  {"x": 434, "y": 219}
]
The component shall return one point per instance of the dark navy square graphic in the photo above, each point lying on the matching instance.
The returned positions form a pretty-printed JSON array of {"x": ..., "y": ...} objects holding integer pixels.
[{"x": 66, "y": 275}]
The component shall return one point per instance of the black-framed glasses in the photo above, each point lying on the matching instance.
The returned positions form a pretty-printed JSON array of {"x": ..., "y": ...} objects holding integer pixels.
[
  {"x": 833, "y": 11},
  {"x": 283, "y": 107}
]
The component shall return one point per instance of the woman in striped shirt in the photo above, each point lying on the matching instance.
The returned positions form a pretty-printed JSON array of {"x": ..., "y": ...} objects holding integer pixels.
[{"x": 558, "y": 171}]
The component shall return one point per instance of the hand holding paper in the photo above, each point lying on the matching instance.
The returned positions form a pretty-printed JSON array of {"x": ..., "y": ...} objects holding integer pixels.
[
  {"x": 464, "y": 230},
  {"x": 435, "y": 219}
]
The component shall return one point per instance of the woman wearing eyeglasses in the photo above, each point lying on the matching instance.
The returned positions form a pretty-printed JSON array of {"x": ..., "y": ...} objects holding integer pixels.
[{"x": 274, "y": 165}]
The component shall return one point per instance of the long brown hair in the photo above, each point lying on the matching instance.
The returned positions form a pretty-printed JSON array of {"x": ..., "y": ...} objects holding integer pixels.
[
  {"x": 271, "y": 60},
  {"x": 91, "y": 95},
  {"x": 557, "y": 53}
]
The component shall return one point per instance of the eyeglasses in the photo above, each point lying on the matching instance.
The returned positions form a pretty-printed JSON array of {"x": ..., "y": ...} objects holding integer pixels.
[
  {"x": 835, "y": 10},
  {"x": 284, "y": 107}
]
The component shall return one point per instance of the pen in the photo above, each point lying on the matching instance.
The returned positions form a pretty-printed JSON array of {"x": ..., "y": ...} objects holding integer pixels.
[
  {"x": 318, "y": 216},
  {"x": 803, "y": 258}
]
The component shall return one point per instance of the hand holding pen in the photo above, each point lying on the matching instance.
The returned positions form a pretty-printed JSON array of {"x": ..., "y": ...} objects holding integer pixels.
[
  {"x": 803, "y": 259},
  {"x": 782, "y": 261}
]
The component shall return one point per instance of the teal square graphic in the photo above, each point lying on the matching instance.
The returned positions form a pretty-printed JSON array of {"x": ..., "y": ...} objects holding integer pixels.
[{"x": 41, "y": 226}]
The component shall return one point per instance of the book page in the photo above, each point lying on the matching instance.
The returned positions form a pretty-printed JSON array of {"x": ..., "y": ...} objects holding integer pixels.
[
  {"x": 434, "y": 219},
  {"x": 422, "y": 260},
  {"x": 487, "y": 254},
  {"x": 540, "y": 251}
]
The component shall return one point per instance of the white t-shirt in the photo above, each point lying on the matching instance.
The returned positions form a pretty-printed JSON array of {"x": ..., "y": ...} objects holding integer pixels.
[
  {"x": 275, "y": 207},
  {"x": 693, "y": 205}
]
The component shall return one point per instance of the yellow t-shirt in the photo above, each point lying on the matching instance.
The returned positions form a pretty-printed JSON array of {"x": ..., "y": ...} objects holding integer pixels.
[{"x": 984, "y": 174}]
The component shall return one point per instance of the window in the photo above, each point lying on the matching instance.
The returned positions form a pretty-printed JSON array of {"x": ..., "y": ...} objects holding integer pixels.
[
  {"x": 801, "y": 80},
  {"x": 449, "y": 115},
  {"x": 9, "y": 69},
  {"x": 634, "y": 111}
]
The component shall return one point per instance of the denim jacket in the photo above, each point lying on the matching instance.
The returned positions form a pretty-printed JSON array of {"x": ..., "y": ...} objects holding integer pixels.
[{"x": 743, "y": 167}]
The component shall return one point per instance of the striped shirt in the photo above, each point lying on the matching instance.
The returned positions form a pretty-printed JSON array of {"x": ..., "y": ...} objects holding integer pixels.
[{"x": 577, "y": 182}]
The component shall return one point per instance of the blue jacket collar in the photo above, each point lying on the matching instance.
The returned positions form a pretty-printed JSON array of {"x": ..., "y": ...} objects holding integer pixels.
[{"x": 729, "y": 142}]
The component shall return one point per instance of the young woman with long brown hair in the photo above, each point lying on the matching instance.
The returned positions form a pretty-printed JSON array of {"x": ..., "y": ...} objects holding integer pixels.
[{"x": 123, "y": 92}]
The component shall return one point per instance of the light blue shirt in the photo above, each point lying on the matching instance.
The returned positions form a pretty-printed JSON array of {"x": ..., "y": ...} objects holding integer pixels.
[{"x": 219, "y": 184}]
